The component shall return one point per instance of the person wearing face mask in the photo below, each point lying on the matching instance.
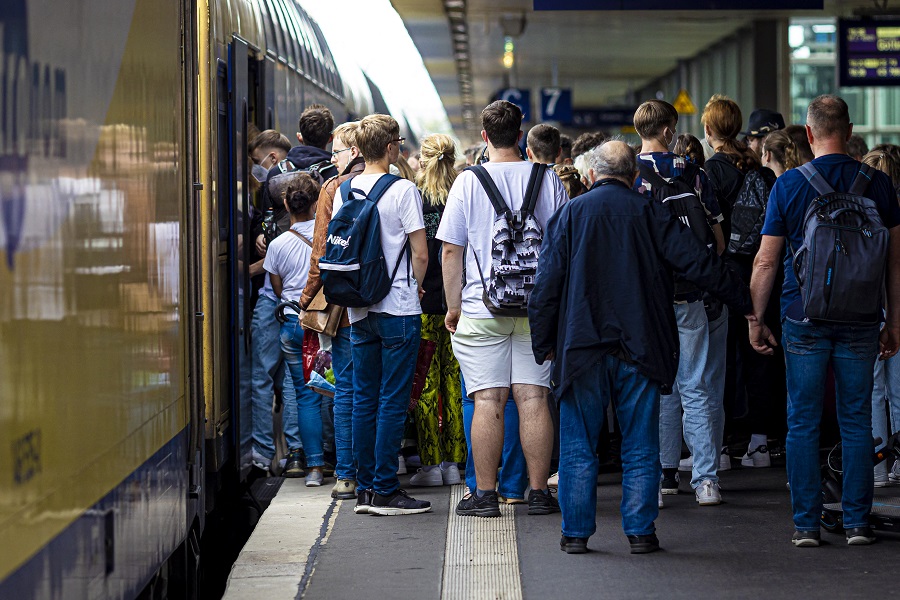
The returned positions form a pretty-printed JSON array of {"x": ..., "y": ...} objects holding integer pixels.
[
  {"x": 655, "y": 122},
  {"x": 266, "y": 150}
]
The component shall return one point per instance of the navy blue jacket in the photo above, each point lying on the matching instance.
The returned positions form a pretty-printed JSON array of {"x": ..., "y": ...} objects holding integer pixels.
[{"x": 604, "y": 284}]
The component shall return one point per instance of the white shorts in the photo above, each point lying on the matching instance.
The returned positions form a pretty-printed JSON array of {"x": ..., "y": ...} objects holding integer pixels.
[{"x": 495, "y": 353}]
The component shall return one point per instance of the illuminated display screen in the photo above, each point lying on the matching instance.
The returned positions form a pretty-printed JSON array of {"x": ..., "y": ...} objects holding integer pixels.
[{"x": 869, "y": 52}]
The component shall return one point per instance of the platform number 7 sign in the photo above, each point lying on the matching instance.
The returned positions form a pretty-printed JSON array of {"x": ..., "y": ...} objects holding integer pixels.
[{"x": 556, "y": 105}]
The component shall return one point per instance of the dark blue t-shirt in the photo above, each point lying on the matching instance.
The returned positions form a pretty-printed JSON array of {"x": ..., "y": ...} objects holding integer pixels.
[{"x": 792, "y": 195}]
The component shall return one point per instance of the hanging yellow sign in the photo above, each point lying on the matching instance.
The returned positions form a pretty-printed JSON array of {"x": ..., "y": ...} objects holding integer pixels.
[{"x": 683, "y": 103}]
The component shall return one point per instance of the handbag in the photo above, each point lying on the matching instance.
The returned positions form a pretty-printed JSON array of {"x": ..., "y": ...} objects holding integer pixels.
[
  {"x": 320, "y": 316},
  {"x": 427, "y": 348}
]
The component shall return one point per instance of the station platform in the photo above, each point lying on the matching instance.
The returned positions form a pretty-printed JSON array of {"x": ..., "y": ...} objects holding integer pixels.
[{"x": 308, "y": 546}]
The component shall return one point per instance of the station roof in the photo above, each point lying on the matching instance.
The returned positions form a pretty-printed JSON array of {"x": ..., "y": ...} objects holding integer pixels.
[{"x": 600, "y": 55}]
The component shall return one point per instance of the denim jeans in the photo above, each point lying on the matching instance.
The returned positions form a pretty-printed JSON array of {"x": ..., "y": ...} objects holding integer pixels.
[
  {"x": 342, "y": 363},
  {"x": 513, "y": 476},
  {"x": 808, "y": 348},
  {"x": 691, "y": 393},
  {"x": 309, "y": 403},
  {"x": 268, "y": 368},
  {"x": 582, "y": 412},
  {"x": 886, "y": 400},
  {"x": 715, "y": 374},
  {"x": 385, "y": 348}
]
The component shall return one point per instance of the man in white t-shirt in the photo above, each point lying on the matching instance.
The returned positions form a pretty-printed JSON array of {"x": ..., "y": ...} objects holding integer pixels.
[
  {"x": 385, "y": 337},
  {"x": 494, "y": 353}
]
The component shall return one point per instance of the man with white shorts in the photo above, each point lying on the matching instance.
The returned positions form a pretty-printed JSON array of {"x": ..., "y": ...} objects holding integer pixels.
[{"x": 494, "y": 352}]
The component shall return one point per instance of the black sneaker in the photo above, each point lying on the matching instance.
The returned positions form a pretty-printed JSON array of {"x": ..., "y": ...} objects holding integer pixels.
[
  {"x": 643, "y": 544},
  {"x": 363, "y": 502},
  {"x": 670, "y": 481},
  {"x": 293, "y": 466},
  {"x": 473, "y": 506},
  {"x": 573, "y": 545},
  {"x": 808, "y": 539},
  {"x": 542, "y": 503},
  {"x": 398, "y": 503},
  {"x": 860, "y": 536}
]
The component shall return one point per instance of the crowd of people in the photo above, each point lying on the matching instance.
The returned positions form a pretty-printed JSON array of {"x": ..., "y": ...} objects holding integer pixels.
[{"x": 498, "y": 311}]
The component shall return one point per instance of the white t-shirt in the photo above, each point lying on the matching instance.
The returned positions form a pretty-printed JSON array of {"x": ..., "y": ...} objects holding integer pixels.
[
  {"x": 400, "y": 213},
  {"x": 469, "y": 218},
  {"x": 288, "y": 257}
]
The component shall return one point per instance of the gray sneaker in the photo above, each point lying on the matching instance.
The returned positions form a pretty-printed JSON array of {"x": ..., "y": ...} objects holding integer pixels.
[
  {"x": 708, "y": 494},
  {"x": 344, "y": 489},
  {"x": 314, "y": 478}
]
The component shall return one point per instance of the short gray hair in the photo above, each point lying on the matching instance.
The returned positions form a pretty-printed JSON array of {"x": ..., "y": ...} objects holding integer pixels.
[{"x": 613, "y": 158}]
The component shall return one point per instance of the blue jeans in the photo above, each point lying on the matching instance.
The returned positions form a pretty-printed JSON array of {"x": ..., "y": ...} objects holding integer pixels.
[
  {"x": 309, "y": 403},
  {"x": 715, "y": 374},
  {"x": 886, "y": 400},
  {"x": 808, "y": 348},
  {"x": 513, "y": 477},
  {"x": 384, "y": 353},
  {"x": 342, "y": 363},
  {"x": 692, "y": 393},
  {"x": 268, "y": 368},
  {"x": 582, "y": 411}
]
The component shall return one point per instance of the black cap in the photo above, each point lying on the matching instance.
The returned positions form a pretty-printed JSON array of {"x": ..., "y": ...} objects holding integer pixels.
[{"x": 762, "y": 122}]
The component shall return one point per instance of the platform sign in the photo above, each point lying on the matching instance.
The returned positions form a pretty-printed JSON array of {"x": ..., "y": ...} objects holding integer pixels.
[
  {"x": 683, "y": 103},
  {"x": 679, "y": 4},
  {"x": 593, "y": 118},
  {"x": 556, "y": 105},
  {"x": 520, "y": 97},
  {"x": 869, "y": 52}
]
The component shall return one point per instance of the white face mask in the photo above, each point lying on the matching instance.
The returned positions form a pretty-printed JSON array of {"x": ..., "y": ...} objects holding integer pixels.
[{"x": 260, "y": 173}]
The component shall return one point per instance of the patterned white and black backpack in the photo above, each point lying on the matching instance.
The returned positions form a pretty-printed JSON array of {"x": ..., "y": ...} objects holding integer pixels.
[{"x": 515, "y": 247}]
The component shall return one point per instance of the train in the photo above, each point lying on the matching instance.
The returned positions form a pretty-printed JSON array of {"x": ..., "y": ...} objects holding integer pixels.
[{"x": 124, "y": 282}]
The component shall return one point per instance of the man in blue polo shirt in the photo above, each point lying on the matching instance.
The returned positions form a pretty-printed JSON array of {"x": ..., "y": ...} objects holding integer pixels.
[{"x": 811, "y": 345}]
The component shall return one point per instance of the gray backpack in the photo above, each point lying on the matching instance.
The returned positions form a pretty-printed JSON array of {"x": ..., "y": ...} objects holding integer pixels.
[
  {"x": 841, "y": 264},
  {"x": 515, "y": 247}
]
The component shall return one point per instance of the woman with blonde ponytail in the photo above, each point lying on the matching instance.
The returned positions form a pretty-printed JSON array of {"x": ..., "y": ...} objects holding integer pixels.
[
  {"x": 438, "y": 414},
  {"x": 780, "y": 153}
]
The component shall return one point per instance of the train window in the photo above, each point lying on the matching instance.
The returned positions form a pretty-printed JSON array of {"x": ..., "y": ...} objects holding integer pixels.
[
  {"x": 275, "y": 18},
  {"x": 314, "y": 47},
  {"x": 287, "y": 47},
  {"x": 269, "y": 23},
  {"x": 222, "y": 137},
  {"x": 291, "y": 11},
  {"x": 308, "y": 60}
]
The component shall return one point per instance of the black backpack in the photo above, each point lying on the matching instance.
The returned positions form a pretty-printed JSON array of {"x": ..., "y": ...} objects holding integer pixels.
[
  {"x": 841, "y": 264},
  {"x": 749, "y": 212},
  {"x": 679, "y": 195}
]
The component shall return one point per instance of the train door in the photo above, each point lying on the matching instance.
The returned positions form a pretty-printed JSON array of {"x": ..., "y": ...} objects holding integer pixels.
[{"x": 240, "y": 250}]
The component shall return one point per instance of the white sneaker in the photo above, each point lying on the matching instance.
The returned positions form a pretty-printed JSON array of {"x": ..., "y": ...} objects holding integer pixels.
[
  {"x": 708, "y": 494},
  {"x": 553, "y": 481},
  {"x": 881, "y": 475},
  {"x": 259, "y": 461},
  {"x": 401, "y": 466},
  {"x": 660, "y": 498},
  {"x": 757, "y": 458},
  {"x": 686, "y": 464},
  {"x": 430, "y": 478},
  {"x": 451, "y": 475},
  {"x": 894, "y": 475},
  {"x": 314, "y": 478},
  {"x": 724, "y": 460}
]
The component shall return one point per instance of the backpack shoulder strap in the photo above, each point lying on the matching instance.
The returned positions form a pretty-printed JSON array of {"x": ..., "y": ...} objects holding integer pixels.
[
  {"x": 534, "y": 187},
  {"x": 346, "y": 190},
  {"x": 491, "y": 188},
  {"x": 302, "y": 237},
  {"x": 381, "y": 186},
  {"x": 863, "y": 179},
  {"x": 650, "y": 175},
  {"x": 815, "y": 179}
]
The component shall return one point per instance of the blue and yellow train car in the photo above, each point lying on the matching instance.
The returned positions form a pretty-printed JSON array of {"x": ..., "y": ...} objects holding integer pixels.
[{"x": 124, "y": 207}]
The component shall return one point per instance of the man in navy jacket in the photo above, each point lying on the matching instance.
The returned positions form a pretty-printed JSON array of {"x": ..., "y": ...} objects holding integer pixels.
[{"x": 601, "y": 310}]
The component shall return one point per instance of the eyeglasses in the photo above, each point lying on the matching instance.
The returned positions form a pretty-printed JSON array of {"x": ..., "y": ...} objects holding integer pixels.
[
  {"x": 334, "y": 153},
  {"x": 398, "y": 140}
]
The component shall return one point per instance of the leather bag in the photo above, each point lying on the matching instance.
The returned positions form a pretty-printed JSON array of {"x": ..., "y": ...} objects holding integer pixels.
[{"x": 320, "y": 316}]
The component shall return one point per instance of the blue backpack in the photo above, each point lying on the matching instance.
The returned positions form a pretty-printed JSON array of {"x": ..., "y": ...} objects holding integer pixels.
[{"x": 353, "y": 270}]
